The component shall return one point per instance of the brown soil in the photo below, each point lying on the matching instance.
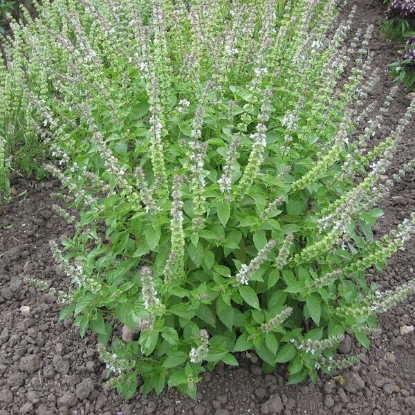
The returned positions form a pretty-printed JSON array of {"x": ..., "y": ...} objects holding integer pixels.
[{"x": 46, "y": 369}]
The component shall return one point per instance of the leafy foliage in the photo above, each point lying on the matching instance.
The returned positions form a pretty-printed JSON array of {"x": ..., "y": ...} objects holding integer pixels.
[
  {"x": 12, "y": 8},
  {"x": 224, "y": 204},
  {"x": 404, "y": 68},
  {"x": 400, "y": 26}
]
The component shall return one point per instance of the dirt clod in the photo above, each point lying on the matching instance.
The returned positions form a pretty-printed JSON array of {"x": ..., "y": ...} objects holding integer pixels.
[
  {"x": 67, "y": 400},
  {"x": 273, "y": 405}
]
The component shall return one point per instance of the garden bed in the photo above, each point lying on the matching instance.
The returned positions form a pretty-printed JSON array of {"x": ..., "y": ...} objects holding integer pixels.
[{"x": 46, "y": 369}]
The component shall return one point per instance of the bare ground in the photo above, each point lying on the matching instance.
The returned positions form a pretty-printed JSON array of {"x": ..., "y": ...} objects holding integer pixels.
[{"x": 46, "y": 369}]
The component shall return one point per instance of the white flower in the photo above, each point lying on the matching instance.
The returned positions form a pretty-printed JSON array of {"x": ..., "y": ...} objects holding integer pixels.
[
  {"x": 193, "y": 355},
  {"x": 225, "y": 183},
  {"x": 242, "y": 274},
  {"x": 230, "y": 50},
  {"x": 260, "y": 71}
]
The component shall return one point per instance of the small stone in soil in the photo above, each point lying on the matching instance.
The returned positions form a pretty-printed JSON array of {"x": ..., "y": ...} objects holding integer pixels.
[
  {"x": 353, "y": 382},
  {"x": 273, "y": 405},
  {"x": 84, "y": 389},
  {"x": 26, "y": 408},
  {"x": 328, "y": 401},
  {"x": 389, "y": 388},
  {"x": 6, "y": 396},
  {"x": 67, "y": 400},
  {"x": 406, "y": 330},
  {"x": 410, "y": 401},
  {"x": 346, "y": 345},
  {"x": 30, "y": 364}
]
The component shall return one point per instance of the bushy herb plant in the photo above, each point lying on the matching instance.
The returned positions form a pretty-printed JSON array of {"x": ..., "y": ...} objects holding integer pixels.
[
  {"x": 224, "y": 204},
  {"x": 400, "y": 26},
  {"x": 27, "y": 154},
  {"x": 400, "y": 18},
  {"x": 11, "y": 8},
  {"x": 404, "y": 68}
]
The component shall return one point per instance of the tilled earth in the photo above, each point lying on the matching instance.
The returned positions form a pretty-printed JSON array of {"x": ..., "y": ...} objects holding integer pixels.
[{"x": 46, "y": 369}]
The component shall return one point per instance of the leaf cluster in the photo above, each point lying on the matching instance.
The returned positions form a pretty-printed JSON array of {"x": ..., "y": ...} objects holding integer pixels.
[{"x": 399, "y": 25}]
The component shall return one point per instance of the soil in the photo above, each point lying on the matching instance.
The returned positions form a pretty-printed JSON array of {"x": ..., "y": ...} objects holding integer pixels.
[{"x": 46, "y": 369}]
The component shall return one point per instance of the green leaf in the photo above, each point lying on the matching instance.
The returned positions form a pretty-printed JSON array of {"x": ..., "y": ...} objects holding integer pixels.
[
  {"x": 178, "y": 377},
  {"x": 196, "y": 253},
  {"x": 209, "y": 259},
  {"x": 170, "y": 335},
  {"x": 152, "y": 235},
  {"x": 260, "y": 240},
  {"x": 82, "y": 322},
  {"x": 314, "y": 308},
  {"x": 175, "y": 359},
  {"x": 313, "y": 376},
  {"x": 195, "y": 239},
  {"x": 84, "y": 302},
  {"x": 314, "y": 334},
  {"x": 159, "y": 382},
  {"x": 274, "y": 224},
  {"x": 224, "y": 212},
  {"x": 258, "y": 316},
  {"x": 225, "y": 312},
  {"x": 148, "y": 342},
  {"x": 97, "y": 324},
  {"x": 182, "y": 310},
  {"x": 302, "y": 273},
  {"x": 127, "y": 386},
  {"x": 230, "y": 360},
  {"x": 125, "y": 315},
  {"x": 249, "y": 296},
  {"x": 366, "y": 229},
  {"x": 208, "y": 235},
  {"x": 145, "y": 368},
  {"x": 248, "y": 222},
  {"x": 222, "y": 270},
  {"x": 148, "y": 385},
  {"x": 362, "y": 339},
  {"x": 205, "y": 313},
  {"x": 286, "y": 353},
  {"x": 295, "y": 287},
  {"x": 296, "y": 207},
  {"x": 377, "y": 213},
  {"x": 290, "y": 228},
  {"x": 104, "y": 338},
  {"x": 190, "y": 330},
  {"x": 230, "y": 244},
  {"x": 297, "y": 378},
  {"x": 271, "y": 342},
  {"x": 242, "y": 343},
  {"x": 179, "y": 292},
  {"x": 265, "y": 354},
  {"x": 295, "y": 365},
  {"x": 288, "y": 276},
  {"x": 215, "y": 354},
  {"x": 121, "y": 148},
  {"x": 226, "y": 295},
  {"x": 267, "y": 369},
  {"x": 277, "y": 300},
  {"x": 235, "y": 236},
  {"x": 273, "y": 278},
  {"x": 139, "y": 109},
  {"x": 66, "y": 312},
  {"x": 334, "y": 329}
]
